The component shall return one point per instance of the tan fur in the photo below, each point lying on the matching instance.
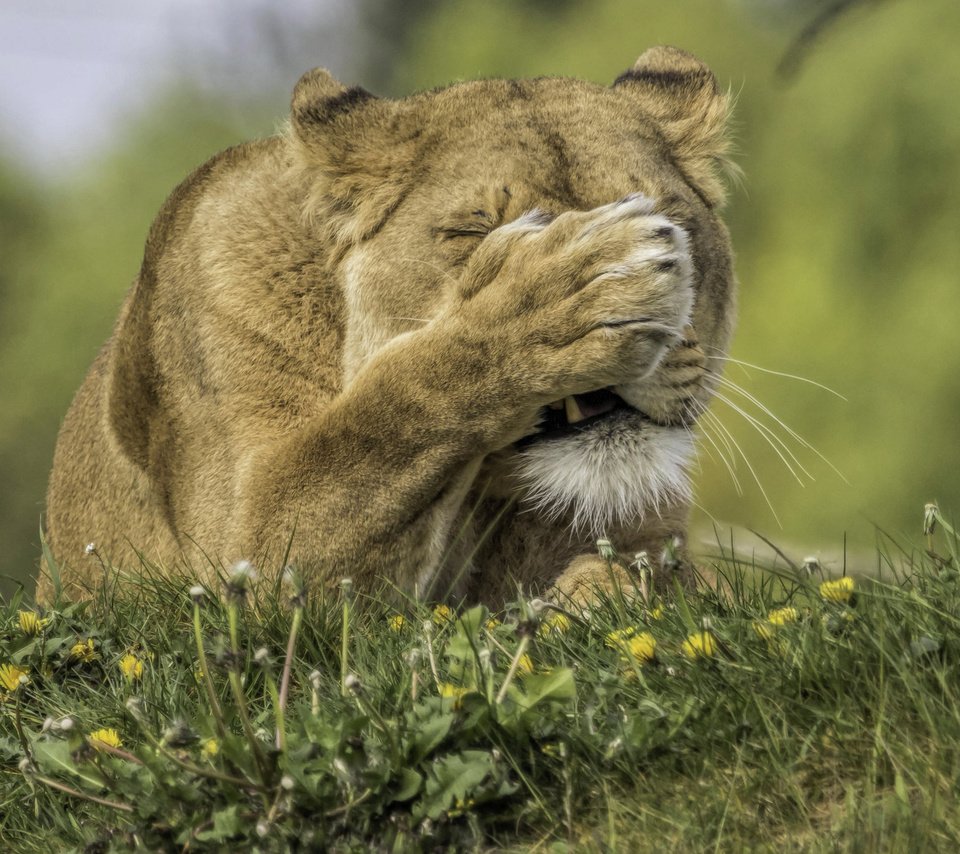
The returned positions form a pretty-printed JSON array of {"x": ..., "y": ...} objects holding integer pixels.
[{"x": 323, "y": 350}]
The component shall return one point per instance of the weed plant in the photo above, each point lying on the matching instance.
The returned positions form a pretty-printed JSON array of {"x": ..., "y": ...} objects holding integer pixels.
[{"x": 775, "y": 710}]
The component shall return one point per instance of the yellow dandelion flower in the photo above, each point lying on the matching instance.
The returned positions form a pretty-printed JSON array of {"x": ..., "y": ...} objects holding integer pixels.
[
  {"x": 211, "y": 747},
  {"x": 104, "y": 737},
  {"x": 461, "y": 806},
  {"x": 30, "y": 623},
  {"x": 525, "y": 664},
  {"x": 131, "y": 667},
  {"x": 641, "y": 647},
  {"x": 656, "y": 613},
  {"x": 397, "y": 622},
  {"x": 837, "y": 589},
  {"x": 782, "y": 616},
  {"x": 442, "y": 614},
  {"x": 449, "y": 691},
  {"x": 616, "y": 638},
  {"x": 12, "y": 677},
  {"x": 84, "y": 651},
  {"x": 491, "y": 623},
  {"x": 556, "y": 622},
  {"x": 764, "y": 630},
  {"x": 699, "y": 645}
]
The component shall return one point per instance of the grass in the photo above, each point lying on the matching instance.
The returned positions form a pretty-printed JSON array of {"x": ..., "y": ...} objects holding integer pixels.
[{"x": 770, "y": 714}]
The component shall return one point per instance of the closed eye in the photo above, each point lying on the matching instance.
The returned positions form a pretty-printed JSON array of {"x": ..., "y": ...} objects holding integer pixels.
[{"x": 452, "y": 232}]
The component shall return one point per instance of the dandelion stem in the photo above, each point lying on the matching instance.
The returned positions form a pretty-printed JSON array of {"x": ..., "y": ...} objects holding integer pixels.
[
  {"x": 433, "y": 663},
  {"x": 116, "y": 751},
  {"x": 205, "y": 673},
  {"x": 63, "y": 787},
  {"x": 521, "y": 651},
  {"x": 239, "y": 696},
  {"x": 285, "y": 676},
  {"x": 344, "y": 645},
  {"x": 280, "y": 732}
]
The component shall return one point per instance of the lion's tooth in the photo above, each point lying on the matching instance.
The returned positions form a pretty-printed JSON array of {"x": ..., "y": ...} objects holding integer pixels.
[
  {"x": 573, "y": 410},
  {"x": 557, "y": 404}
]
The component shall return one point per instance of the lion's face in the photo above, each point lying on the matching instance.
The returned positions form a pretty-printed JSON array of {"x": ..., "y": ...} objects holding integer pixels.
[{"x": 444, "y": 169}]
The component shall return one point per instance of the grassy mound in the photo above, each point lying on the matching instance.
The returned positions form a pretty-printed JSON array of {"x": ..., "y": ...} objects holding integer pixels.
[{"x": 779, "y": 711}]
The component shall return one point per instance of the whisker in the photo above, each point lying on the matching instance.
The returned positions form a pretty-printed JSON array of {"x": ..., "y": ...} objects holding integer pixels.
[
  {"x": 793, "y": 433},
  {"x": 784, "y": 374},
  {"x": 723, "y": 439},
  {"x": 446, "y": 274},
  {"x": 730, "y": 467},
  {"x": 771, "y": 438},
  {"x": 720, "y": 425}
]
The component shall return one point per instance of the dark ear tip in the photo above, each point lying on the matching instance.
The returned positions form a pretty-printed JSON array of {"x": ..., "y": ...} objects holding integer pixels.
[
  {"x": 319, "y": 97},
  {"x": 669, "y": 67}
]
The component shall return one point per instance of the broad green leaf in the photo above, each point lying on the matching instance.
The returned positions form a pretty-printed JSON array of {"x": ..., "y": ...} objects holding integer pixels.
[
  {"x": 226, "y": 823},
  {"x": 430, "y": 733},
  {"x": 557, "y": 684},
  {"x": 54, "y": 758},
  {"x": 409, "y": 785}
]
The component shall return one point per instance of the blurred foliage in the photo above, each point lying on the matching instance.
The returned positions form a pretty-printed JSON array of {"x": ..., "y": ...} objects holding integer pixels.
[{"x": 846, "y": 231}]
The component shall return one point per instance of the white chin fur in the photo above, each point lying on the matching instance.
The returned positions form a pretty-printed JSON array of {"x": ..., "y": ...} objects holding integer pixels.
[{"x": 614, "y": 472}]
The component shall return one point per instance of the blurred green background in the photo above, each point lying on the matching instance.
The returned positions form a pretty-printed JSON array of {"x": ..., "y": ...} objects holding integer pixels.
[{"x": 846, "y": 225}]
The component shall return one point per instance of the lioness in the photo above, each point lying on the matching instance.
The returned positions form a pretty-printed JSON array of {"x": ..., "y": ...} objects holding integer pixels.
[{"x": 444, "y": 341}]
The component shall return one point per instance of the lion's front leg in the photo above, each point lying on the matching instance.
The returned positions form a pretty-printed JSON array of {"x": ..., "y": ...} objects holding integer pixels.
[{"x": 547, "y": 307}]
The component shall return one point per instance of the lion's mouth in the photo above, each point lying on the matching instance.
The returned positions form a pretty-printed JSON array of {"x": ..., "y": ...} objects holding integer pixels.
[{"x": 577, "y": 413}]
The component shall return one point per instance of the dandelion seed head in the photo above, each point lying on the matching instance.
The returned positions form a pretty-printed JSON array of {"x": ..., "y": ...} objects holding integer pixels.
[
  {"x": 606, "y": 549},
  {"x": 134, "y": 705}
]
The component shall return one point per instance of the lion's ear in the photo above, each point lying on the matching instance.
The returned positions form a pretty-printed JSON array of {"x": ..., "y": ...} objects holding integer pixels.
[
  {"x": 353, "y": 149},
  {"x": 682, "y": 96}
]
